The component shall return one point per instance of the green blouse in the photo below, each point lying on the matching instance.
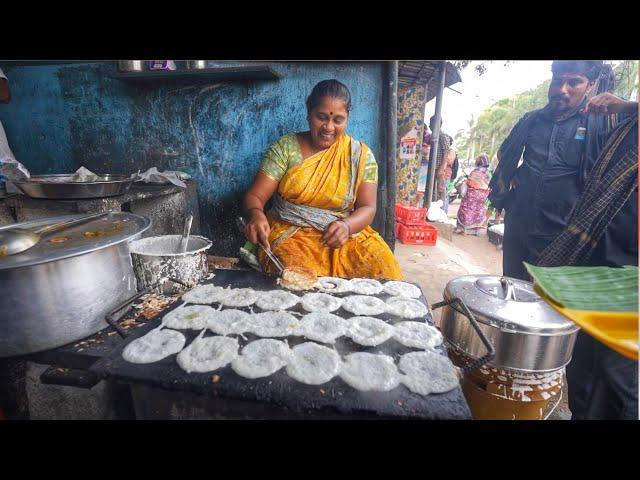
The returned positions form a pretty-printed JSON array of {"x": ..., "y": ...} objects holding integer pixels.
[{"x": 285, "y": 153}]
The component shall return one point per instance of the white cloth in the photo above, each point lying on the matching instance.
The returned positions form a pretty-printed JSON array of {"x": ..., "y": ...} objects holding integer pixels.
[
  {"x": 168, "y": 176},
  {"x": 85, "y": 175},
  {"x": 435, "y": 213},
  {"x": 499, "y": 229}
]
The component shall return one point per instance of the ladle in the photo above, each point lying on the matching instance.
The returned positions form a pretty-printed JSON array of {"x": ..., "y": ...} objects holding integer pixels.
[
  {"x": 184, "y": 241},
  {"x": 17, "y": 240}
]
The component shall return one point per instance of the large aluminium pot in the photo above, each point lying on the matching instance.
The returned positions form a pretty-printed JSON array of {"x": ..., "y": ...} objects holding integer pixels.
[
  {"x": 527, "y": 334},
  {"x": 59, "y": 291}
]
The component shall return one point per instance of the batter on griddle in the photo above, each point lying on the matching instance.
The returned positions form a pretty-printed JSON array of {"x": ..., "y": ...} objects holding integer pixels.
[
  {"x": 261, "y": 358},
  {"x": 154, "y": 346}
]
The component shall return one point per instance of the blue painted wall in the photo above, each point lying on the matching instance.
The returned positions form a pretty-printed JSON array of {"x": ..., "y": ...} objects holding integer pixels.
[{"x": 65, "y": 116}]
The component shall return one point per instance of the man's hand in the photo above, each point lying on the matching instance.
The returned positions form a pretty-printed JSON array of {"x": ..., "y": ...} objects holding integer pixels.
[
  {"x": 258, "y": 230},
  {"x": 336, "y": 234},
  {"x": 607, "y": 103}
]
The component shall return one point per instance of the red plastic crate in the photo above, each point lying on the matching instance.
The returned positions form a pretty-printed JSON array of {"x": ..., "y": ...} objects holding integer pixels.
[
  {"x": 409, "y": 215},
  {"x": 417, "y": 234}
]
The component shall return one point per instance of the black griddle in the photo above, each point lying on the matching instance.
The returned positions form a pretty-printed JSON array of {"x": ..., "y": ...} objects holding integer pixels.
[{"x": 279, "y": 389}]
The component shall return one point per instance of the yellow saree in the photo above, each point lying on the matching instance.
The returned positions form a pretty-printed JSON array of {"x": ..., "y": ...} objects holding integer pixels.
[{"x": 324, "y": 180}]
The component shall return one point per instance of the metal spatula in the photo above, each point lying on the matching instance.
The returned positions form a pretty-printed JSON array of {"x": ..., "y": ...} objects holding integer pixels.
[{"x": 242, "y": 224}]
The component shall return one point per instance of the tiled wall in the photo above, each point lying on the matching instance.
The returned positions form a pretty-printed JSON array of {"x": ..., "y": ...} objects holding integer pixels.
[{"x": 410, "y": 114}]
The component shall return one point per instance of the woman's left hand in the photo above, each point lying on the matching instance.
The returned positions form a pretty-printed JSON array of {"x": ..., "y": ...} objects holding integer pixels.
[{"x": 336, "y": 234}]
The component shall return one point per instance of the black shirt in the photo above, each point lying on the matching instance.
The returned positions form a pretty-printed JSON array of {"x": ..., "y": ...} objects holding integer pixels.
[{"x": 551, "y": 177}]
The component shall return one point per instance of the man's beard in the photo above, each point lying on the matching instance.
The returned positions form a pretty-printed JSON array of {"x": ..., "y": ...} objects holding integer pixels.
[{"x": 560, "y": 103}]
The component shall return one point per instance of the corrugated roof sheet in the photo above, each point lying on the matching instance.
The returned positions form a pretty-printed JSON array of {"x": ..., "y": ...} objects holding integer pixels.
[{"x": 419, "y": 72}]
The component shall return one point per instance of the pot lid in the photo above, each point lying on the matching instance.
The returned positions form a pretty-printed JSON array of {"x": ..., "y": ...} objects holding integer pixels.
[
  {"x": 77, "y": 239},
  {"x": 509, "y": 304}
]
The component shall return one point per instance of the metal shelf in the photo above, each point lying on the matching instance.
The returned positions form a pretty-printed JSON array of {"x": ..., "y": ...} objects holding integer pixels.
[
  {"x": 40, "y": 63},
  {"x": 253, "y": 72}
]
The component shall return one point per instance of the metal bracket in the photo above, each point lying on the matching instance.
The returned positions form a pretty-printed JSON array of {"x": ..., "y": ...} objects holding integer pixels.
[
  {"x": 110, "y": 318},
  {"x": 70, "y": 377},
  {"x": 491, "y": 351}
]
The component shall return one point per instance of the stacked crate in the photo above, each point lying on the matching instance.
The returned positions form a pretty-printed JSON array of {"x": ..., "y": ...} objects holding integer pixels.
[{"x": 412, "y": 228}]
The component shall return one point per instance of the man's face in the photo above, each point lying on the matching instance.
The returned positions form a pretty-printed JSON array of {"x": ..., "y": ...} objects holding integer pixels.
[{"x": 567, "y": 91}]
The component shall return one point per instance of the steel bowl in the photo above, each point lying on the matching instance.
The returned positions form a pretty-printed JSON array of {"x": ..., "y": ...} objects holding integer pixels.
[
  {"x": 64, "y": 186},
  {"x": 154, "y": 258}
]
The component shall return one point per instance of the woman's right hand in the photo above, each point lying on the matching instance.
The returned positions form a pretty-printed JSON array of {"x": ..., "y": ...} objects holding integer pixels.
[{"x": 257, "y": 230}]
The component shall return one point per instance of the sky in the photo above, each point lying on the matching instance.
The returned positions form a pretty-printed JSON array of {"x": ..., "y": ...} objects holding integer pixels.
[{"x": 478, "y": 92}]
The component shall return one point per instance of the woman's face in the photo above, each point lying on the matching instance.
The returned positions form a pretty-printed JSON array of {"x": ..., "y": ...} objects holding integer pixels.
[{"x": 327, "y": 121}]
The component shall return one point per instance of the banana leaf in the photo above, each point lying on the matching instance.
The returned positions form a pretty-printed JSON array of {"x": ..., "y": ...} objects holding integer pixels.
[{"x": 589, "y": 288}]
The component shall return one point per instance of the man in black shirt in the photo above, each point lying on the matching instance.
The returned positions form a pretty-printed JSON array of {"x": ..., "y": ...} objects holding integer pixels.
[
  {"x": 562, "y": 146},
  {"x": 603, "y": 231}
]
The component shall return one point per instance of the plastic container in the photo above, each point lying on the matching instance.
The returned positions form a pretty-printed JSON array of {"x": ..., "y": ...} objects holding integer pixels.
[
  {"x": 424, "y": 234},
  {"x": 409, "y": 215},
  {"x": 161, "y": 65}
]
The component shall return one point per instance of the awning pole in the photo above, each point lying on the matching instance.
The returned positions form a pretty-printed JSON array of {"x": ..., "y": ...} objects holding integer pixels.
[
  {"x": 435, "y": 137},
  {"x": 392, "y": 152}
]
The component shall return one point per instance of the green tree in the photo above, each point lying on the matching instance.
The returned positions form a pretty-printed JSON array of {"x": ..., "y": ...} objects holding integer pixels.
[
  {"x": 488, "y": 131},
  {"x": 626, "y": 79}
]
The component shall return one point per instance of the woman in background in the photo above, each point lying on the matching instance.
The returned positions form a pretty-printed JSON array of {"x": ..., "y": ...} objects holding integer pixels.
[{"x": 472, "y": 211}]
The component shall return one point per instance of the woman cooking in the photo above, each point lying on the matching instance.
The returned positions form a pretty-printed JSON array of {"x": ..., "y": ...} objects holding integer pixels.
[{"x": 326, "y": 183}]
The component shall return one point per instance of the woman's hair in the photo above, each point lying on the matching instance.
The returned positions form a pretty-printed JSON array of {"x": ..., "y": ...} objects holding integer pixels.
[
  {"x": 482, "y": 160},
  {"x": 329, "y": 88}
]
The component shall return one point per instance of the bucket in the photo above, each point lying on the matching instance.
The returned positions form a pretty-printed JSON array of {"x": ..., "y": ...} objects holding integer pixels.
[{"x": 154, "y": 258}]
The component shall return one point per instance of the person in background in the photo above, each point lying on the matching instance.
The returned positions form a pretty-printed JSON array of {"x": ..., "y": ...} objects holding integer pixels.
[
  {"x": 571, "y": 202},
  {"x": 444, "y": 145},
  {"x": 472, "y": 211},
  {"x": 10, "y": 168},
  {"x": 558, "y": 144},
  {"x": 443, "y": 176},
  {"x": 603, "y": 231},
  {"x": 454, "y": 168},
  {"x": 5, "y": 97},
  {"x": 13, "y": 393},
  {"x": 5, "y": 93}
]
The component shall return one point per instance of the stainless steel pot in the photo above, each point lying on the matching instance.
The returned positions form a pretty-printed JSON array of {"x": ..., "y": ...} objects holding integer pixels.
[
  {"x": 155, "y": 258},
  {"x": 527, "y": 334},
  {"x": 131, "y": 65},
  {"x": 60, "y": 291},
  {"x": 196, "y": 64},
  {"x": 63, "y": 186}
]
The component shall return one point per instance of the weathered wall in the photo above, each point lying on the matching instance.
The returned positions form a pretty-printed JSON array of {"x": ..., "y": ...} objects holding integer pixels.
[
  {"x": 410, "y": 113},
  {"x": 64, "y": 116}
]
